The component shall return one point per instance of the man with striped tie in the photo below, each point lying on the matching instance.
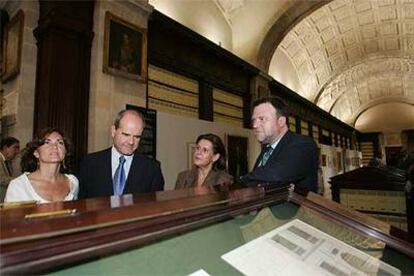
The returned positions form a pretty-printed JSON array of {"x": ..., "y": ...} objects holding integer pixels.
[{"x": 286, "y": 157}]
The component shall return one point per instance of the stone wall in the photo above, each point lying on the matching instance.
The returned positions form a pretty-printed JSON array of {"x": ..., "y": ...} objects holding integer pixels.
[
  {"x": 18, "y": 92},
  {"x": 109, "y": 93}
]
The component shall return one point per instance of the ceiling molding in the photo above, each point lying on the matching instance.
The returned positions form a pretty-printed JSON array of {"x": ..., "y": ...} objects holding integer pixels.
[
  {"x": 229, "y": 8},
  {"x": 297, "y": 10}
]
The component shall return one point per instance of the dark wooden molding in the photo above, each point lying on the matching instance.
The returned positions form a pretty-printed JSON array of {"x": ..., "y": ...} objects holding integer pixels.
[
  {"x": 298, "y": 125},
  {"x": 179, "y": 49},
  {"x": 247, "y": 98}
]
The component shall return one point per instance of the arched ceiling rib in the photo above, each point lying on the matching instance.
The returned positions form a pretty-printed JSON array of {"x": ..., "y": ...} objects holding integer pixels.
[
  {"x": 349, "y": 53},
  {"x": 370, "y": 79},
  {"x": 296, "y": 11},
  {"x": 378, "y": 115},
  {"x": 229, "y": 8},
  {"x": 374, "y": 103}
]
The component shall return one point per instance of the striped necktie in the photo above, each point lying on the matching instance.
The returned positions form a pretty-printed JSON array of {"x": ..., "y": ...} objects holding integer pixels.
[{"x": 267, "y": 152}]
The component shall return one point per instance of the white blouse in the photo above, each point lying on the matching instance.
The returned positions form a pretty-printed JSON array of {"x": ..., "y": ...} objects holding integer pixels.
[{"x": 20, "y": 189}]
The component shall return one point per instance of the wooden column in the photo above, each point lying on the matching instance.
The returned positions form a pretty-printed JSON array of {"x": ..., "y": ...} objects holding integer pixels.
[{"x": 64, "y": 36}]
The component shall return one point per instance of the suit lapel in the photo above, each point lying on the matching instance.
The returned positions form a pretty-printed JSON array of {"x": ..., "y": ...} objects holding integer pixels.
[
  {"x": 107, "y": 171},
  {"x": 4, "y": 167},
  {"x": 191, "y": 180},
  {"x": 259, "y": 158},
  {"x": 282, "y": 143},
  {"x": 133, "y": 174}
]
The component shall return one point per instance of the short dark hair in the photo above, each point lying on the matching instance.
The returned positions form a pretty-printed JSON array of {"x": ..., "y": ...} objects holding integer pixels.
[
  {"x": 218, "y": 147},
  {"x": 121, "y": 114},
  {"x": 29, "y": 161},
  {"x": 8, "y": 141},
  {"x": 282, "y": 109}
]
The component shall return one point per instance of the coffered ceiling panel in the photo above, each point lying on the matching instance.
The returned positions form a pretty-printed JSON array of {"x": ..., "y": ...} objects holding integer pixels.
[
  {"x": 368, "y": 81},
  {"x": 349, "y": 54}
]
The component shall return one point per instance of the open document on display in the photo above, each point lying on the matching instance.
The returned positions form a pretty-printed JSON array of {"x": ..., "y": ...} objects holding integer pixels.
[{"x": 296, "y": 248}]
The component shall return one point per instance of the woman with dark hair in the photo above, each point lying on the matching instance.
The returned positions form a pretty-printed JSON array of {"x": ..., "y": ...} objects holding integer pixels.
[
  {"x": 46, "y": 166},
  {"x": 209, "y": 164}
]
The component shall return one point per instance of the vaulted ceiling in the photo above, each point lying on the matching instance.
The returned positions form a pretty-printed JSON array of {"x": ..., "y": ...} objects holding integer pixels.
[
  {"x": 346, "y": 56},
  {"x": 352, "y": 55}
]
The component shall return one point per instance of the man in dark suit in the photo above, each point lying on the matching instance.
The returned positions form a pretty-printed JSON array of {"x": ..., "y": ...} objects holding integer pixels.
[
  {"x": 9, "y": 148},
  {"x": 120, "y": 169},
  {"x": 286, "y": 157}
]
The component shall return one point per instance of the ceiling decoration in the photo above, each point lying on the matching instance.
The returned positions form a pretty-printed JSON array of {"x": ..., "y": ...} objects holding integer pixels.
[
  {"x": 349, "y": 54},
  {"x": 371, "y": 80},
  {"x": 229, "y": 8}
]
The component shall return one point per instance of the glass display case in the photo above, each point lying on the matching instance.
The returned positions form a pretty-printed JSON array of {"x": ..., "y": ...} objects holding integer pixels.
[
  {"x": 184, "y": 231},
  {"x": 382, "y": 192}
]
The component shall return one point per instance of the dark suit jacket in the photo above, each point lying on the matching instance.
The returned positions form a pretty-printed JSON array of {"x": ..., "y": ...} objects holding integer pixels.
[
  {"x": 95, "y": 175},
  {"x": 5, "y": 178},
  {"x": 294, "y": 160}
]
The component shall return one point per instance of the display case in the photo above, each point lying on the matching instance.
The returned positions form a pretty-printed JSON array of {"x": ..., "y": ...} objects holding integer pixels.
[
  {"x": 180, "y": 232},
  {"x": 381, "y": 192}
]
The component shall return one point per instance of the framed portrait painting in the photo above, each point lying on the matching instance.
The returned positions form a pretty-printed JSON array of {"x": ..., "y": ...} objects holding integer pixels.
[
  {"x": 12, "y": 48},
  {"x": 125, "y": 49}
]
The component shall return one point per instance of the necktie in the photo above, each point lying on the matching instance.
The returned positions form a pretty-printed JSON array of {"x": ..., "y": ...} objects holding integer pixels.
[
  {"x": 119, "y": 177},
  {"x": 267, "y": 152}
]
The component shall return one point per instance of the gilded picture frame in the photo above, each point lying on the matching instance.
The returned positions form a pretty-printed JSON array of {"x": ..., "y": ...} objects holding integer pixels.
[
  {"x": 125, "y": 49},
  {"x": 12, "y": 48}
]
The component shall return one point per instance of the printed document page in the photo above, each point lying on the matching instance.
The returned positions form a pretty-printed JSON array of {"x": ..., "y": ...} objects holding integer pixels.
[{"x": 297, "y": 248}]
